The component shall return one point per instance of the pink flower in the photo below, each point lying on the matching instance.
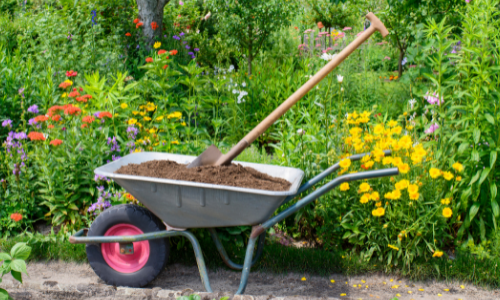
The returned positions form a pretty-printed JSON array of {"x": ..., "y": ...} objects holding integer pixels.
[
  {"x": 347, "y": 28},
  {"x": 318, "y": 45},
  {"x": 434, "y": 98},
  {"x": 359, "y": 33},
  {"x": 467, "y": 1},
  {"x": 181, "y": 3},
  {"x": 432, "y": 128},
  {"x": 387, "y": 57}
]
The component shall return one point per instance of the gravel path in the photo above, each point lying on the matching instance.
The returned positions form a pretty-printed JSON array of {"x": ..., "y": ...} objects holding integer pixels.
[{"x": 61, "y": 280}]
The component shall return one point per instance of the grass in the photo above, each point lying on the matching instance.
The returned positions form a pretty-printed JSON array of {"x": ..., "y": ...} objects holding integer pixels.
[{"x": 280, "y": 259}]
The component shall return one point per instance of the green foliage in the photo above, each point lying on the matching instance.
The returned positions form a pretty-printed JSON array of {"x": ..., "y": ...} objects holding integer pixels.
[
  {"x": 14, "y": 264},
  {"x": 332, "y": 14}
]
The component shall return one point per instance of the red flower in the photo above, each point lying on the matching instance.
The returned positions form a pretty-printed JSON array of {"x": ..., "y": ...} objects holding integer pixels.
[
  {"x": 149, "y": 60},
  {"x": 128, "y": 34},
  {"x": 53, "y": 109},
  {"x": 161, "y": 51},
  {"x": 71, "y": 73},
  {"x": 36, "y": 136},
  {"x": 84, "y": 126},
  {"x": 139, "y": 25},
  {"x": 16, "y": 217},
  {"x": 296, "y": 28},
  {"x": 88, "y": 119},
  {"x": 56, "y": 118},
  {"x": 87, "y": 96},
  {"x": 74, "y": 94},
  {"x": 320, "y": 25},
  {"x": 64, "y": 85},
  {"x": 188, "y": 27},
  {"x": 165, "y": 66},
  {"x": 81, "y": 99},
  {"x": 173, "y": 52},
  {"x": 71, "y": 110},
  {"x": 154, "y": 25},
  {"x": 136, "y": 21},
  {"x": 41, "y": 118},
  {"x": 50, "y": 126},
  {"x": 364, "y": 167},
  {"x": 81, "y": 89},
  {"x": 56, "y": 142},
  {"x": 105, "y": 114}
]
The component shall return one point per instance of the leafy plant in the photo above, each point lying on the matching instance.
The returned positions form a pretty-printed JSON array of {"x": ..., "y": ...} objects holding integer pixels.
[{"x": 14, "y": 264}]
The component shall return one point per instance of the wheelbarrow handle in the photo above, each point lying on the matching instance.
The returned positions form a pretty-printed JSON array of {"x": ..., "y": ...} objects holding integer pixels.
[{"x": 311, "y": 182}]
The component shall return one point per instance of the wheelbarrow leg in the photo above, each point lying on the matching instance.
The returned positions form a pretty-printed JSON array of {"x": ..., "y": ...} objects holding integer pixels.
[
  {"x": 199, "y": 259},
  {"x": 225, "y": 257},
  {"x": 246, "y": 266}
]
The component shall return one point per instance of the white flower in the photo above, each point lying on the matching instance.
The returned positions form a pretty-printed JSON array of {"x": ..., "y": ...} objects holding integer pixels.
[
  {"x": 340, "y": 78},
  {"x": 207, "y": 16},
  {"x": 346, "y": 115},
  {"x": 231, "y": 68},
  {"x": 301, "y": 131},
  {"x": 240, "y": 97},
  {"x": 235, "y": 91},
  {"x": 412, "y": 102},
  {"x": 308, "y": 76},
  {"x": 341, "y": 89},
  {"x": 327, "y": 56},
  {"x": 243, "y": 84}
]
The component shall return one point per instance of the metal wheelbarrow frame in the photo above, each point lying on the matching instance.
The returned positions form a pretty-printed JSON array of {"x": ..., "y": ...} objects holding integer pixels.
[{"x": 258, "y": 231}]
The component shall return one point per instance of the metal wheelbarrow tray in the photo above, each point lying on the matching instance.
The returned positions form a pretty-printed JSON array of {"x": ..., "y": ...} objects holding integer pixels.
[
  {"x": 197, "y": 205},
  {"x": 186, "y": 204}
]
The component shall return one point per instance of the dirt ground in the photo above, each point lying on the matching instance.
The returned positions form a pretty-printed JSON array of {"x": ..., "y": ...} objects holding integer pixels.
[{"x": 179, "y": 277}]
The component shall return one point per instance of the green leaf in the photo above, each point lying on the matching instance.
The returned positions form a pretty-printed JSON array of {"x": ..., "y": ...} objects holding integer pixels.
[
  {"x": 475, "y": 178},
  {"x": 484, "y": 174},
  {"x": 476, "y": 134},
  {"x": 493, "y": 158},
  {"x": 5, "y": 256},
  {"x": 489, "y": 118},
  {"x": 493, "y": 191},
  {"x": 4, "y": 295},
  {"x": 20, "y": 251},
  {"x": 18, "y": 265},
  {"x": 473, "y": 211},
  {"x": 495, "y": 208},
  {"x": 17, "y": 276}
]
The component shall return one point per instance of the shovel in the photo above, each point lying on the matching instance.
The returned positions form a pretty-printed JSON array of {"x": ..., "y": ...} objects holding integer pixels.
[{"x": 212, "y": 155}]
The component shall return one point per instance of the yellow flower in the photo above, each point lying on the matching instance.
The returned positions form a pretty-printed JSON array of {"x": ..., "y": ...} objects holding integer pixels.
[
  {"x": 378, "y": 204},
  {"x": 147, "y": 119},
  {"x": 139, "y": 124},
  {"x": 379, "y": 212},
  {"x": 345, "y": 163},
  {"x": 68, "y": 81},
  {"x": 303, "y": 279},
  {"x": 405, "y": 142},
  {"x": 137, "y": 150},
  {"x": 392, "y": 123},
  {"x": 404, "y": 168},
  {"x": 438, "y": 254},
  {"x": 152, "y": 130},
  {"x": 365, "y": 158},
  {"x": 445, "y": 201},
  {"x": 448, "y": 176},
  {"x": 355, "y": 131},
  {"x": 416, "y": 158},
  {"x": 387, "y": 161},
  {"x": 368, "y": 164},
  {"x": 458, "y": 167},
  {"x": 365, "y": 198},
  {"x": 64, "y": 95},
  {"x": 388, "y": 195},
  {"x": 342, "y": 295},
  {"x": 142, "y": 113},
  {"x": 394, "y": 286},
  {"x": 132, "y": 121},
  {"x": 396, "y": 161},
  {"x": 396, "y": 130},
  {"x": 379, "y": 129},
  {"x": 396, "y": 194},
  {"x": 176, "y": 115},
  {"x": 135, "y": 112},
  {"x": 421, "y": 290},
  {"x": 332, "y": 281},
  {"x": 124, "y": 105},
  {"x": 385, "y": 226},
  {"x": 414, "y": 196},
  {"x": 402, "y": 184},
  {"x": 344, "y": 186},
  {"x": 462, "y": 287},
  {"x": 183, "y": 123},
  {"x": 412, "y": 188},
  {"x": 364, "y": 187},
  {"x": 375, "y": 196},
  {"x": 157, "y": 45},
  {"x": 174, "y": 142},
  {"x": 447, "y": 212},
  {"x": 159, "y": 118},
  {"x": 435, "y": 173},
  {"x": 458, "y": 178}
]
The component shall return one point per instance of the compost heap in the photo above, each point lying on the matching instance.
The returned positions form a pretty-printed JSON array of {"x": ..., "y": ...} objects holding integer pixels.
[{"x": 232, "y": 175}]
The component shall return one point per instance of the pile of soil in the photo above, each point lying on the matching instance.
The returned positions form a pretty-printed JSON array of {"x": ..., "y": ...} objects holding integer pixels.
[{"x": 232, "y": 175}]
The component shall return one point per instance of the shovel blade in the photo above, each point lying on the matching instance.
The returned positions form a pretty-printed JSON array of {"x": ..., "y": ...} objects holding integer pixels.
[{"x": 208, "y": 158}]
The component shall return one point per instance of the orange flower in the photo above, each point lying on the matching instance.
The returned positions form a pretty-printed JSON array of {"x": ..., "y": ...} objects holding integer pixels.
[
  {"x": 36, "y": 136},
  {"x": 71, "y": 73},
  {"x": 154, "y": 25},
  {"x": 105, "y": 114},
  {"x": 128, "y": 34},
  {"x": 173, "y": 52},
  {"x": 41, "y": 118},
  {"x": 296, "y": 28},
  {"x": 56, "y": 142},
  {"x": 129, "y": 197},
  {"x": 165, "y": 66},
  {"x": 136, "y": 21},
  {"x": 139, "y": 25},
  {"x": 64, "y": 84},
  {"x": 71, "y": 110},
  {"x": 149, "y": 60},
  {"x": 87, "y": 96},
  {"x": 16, "y": 217},
  {"x": 81, "y": 99},
  {"x": 74, "y": 94},
  {"x": 84, "y": 126},
  {"x": 88, "y": 119},
  {"x": 320, "y": 25},
  {"x": 161, "y": 51},
  {"x": 56, "y": 118},
  {"x": 50, "y": 126}
]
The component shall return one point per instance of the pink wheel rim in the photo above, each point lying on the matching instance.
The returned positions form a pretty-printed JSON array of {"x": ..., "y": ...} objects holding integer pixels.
[{"x": 121, "y": 262}]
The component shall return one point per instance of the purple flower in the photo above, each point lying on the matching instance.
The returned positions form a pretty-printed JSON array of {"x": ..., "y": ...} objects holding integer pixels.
[
  {"x": 7, "y": 123},
  {"x": 196, "y": 49},
  {"x": 432, "y": 128},
  {"x": 137, "y": 47},
  {"x": 33, "y": 109},
  {"x": 191, "y": 53},
  {"x": 63, "y": 129},
  {"x": 176, "y": 37},
  {"x": 20, "y": 136},
  {"x": 193, "y": 57},
  {"x": 187, "y": 47},
  {"x": 434, "y": 98},
  {"x": 21, "y": 92},
  {"x": 132, "y": 132},
  {"x": 32, "y": 122},
  {"x": 181, "y": 34},
  {"x": 96, "y": 114},
  {"x": 100, "y": 188}
]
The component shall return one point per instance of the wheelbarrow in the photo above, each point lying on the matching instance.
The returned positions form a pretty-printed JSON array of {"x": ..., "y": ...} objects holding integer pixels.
[{"x": 127, "y": 245}]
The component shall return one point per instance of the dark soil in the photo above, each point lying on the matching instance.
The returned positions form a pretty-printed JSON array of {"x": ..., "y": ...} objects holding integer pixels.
[{"x": 232, "y": 175}]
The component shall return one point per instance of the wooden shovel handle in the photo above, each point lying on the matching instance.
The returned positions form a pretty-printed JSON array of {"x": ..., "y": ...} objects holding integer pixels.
[{"x": 376, "y": 25}]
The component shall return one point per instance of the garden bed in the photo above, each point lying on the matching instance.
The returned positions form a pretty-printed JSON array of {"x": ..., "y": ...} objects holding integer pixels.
[{"x": 232, "y": 175}]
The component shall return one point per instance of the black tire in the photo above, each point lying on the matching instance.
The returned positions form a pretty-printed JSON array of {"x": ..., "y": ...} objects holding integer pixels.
[{"x": 145, "y": 221}]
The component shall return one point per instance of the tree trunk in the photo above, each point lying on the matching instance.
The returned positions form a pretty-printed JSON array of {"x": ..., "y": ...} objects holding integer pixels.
[
  {"x": 400, "y": 62},
  {"x": 249, "y": 62},
  {"x": 151, "y": 11}
]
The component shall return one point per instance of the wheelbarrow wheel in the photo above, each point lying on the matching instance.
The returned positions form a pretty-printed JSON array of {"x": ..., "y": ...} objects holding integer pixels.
[{"x": 127, "y": 269}]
